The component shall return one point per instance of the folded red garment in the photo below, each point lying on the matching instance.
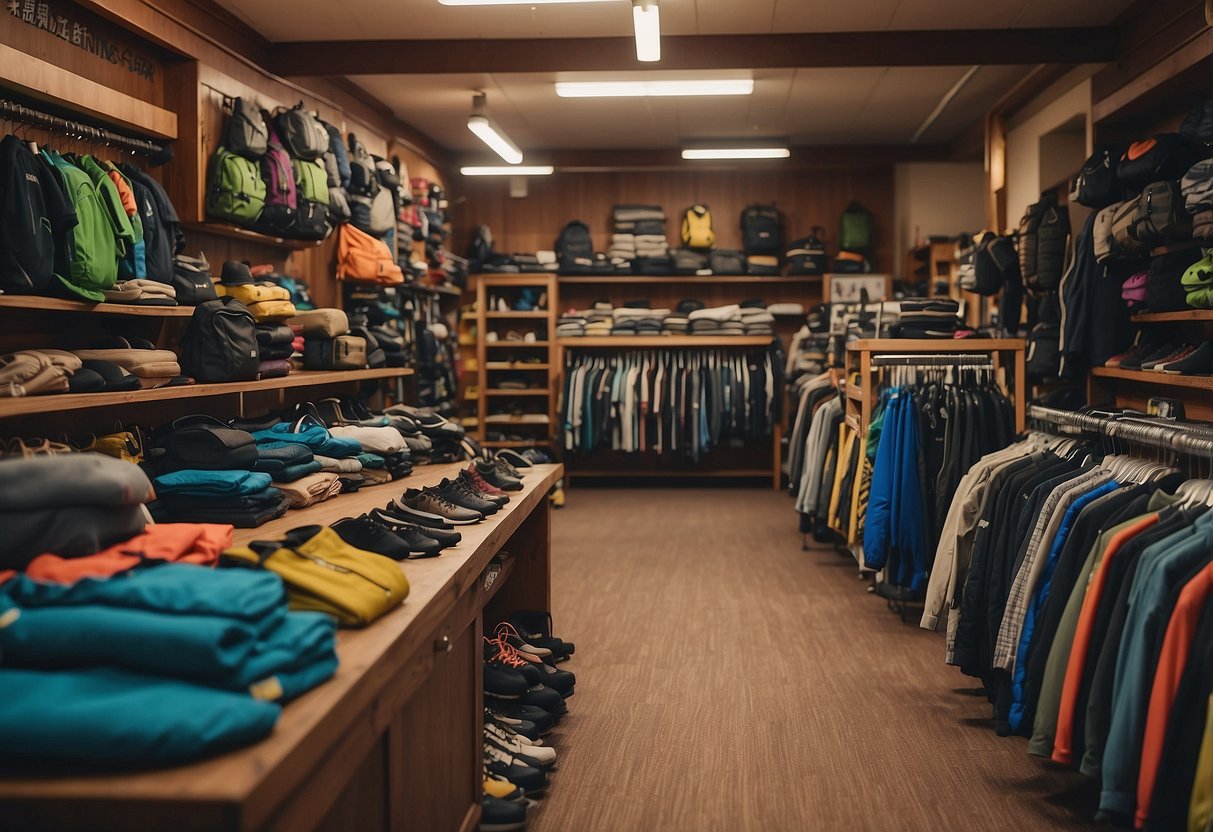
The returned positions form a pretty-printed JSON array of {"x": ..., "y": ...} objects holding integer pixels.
[{"x": 198, "y": 543}]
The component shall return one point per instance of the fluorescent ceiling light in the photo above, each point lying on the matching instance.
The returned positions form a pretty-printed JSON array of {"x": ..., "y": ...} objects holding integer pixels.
[
  {"x": 507, "y": 170},
  {"x": 489, "y": 133},
  {"x": 736, "y": 153},
  {"x": 646, "y": 18},
  {"x": 616, "y": 89},
  {"x": 510, "y": 2}
]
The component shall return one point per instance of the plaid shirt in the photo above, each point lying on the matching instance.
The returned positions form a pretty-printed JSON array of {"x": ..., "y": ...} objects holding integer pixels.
[{"x": 1047, "y": 524}]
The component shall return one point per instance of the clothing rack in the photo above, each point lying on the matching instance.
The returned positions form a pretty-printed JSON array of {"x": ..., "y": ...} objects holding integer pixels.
[
  {"x": 1183, "y": 438},
  {"x": 941, "y": 360},
  {"x": 14, "y": 111}
]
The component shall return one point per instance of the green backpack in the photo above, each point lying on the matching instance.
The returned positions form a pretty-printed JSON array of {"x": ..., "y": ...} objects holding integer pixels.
[
  {"x": 92, "y": 261},
  {"x": 235, "y": 191},
  {"x": 855, "y": 232}
]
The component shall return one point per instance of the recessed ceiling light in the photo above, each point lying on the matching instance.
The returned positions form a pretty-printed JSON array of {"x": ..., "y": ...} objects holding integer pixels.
[
  {"x": 646, "y": 19},
  {"x": 507, "y": 170},
  {"x": 615, "y": 89},
  {"x": 488, "y": 132},
  {"x": 736, "y": 153}
]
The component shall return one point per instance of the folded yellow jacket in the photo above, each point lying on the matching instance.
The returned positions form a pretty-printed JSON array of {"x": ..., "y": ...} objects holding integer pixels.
[
  {"x": 250, "y": 293},
  {"x": 325, "y": 574}
]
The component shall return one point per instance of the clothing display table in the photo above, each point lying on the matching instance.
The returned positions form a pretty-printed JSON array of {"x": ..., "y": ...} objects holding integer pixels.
[{"x": 393, "y": 741}]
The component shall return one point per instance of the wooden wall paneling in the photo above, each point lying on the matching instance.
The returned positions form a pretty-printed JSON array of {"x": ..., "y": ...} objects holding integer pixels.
[
  {"x": 1147, "y": 32},
  {"x": 362, "y": 804},
  {"x": 184, "y": 177},
  {"x": 806, "y": 199}
]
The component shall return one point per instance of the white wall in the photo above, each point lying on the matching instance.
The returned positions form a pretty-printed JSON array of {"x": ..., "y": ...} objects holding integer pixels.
[
  {"x": 1059, "y": 104},
  {"x": 936, "y": 198}
]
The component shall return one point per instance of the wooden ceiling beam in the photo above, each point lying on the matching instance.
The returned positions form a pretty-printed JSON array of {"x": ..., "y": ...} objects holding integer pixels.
[{"x": 938, "y": 47}]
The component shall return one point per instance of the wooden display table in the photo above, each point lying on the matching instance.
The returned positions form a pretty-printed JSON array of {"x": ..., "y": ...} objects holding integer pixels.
[{"x": 393, "y": 741}]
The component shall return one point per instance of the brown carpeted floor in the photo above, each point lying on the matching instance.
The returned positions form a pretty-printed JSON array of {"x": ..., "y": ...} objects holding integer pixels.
[{"x": 728, "y": 680}]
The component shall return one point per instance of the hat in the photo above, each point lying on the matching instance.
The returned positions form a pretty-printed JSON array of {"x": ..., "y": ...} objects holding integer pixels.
[
  {"x": 686, "y": 307},
  {"x": 235, "y": 272}
]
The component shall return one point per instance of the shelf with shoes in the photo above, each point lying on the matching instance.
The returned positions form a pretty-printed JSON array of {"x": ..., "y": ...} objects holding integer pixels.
[
  {"x": 1152, "y": 377},
  {"x": 409, "y": 683},
  {"x": 1174, "y": 317}
]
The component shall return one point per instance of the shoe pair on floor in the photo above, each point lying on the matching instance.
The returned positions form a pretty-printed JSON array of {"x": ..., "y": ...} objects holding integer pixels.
[{"x": 1170, "y": 358}]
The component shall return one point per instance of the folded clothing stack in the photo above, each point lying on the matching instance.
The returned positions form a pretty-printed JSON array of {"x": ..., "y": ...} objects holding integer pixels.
[
  {"x": 38, "y": 372},
  {"x": 927, "y": 318},
  {"x": 679, "y": 321},
  {"x": 762, "y": 264},
  {"x": 275, "y": 346},
  {"x": 71, "y": 505},
  {"x": 266, "y": 300},
  {"x": 757, "y": 318},
  {"x": 141, "y": 292},
  {"x": 623, "y": 247},
  {"x": 638, "y": 321},
  {"x": 571, "y": 325},
  {"x": 717, "y": 320},
  {"x": 136, "y": 356},
  {"x": 639, "y": 243}
]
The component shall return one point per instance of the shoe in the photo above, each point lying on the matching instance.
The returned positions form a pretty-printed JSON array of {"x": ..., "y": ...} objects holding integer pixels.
[
  {"x": 557, "y": 497},
  {"x": 517, "y": 460},
  {"x": 504, "y": 466},
  {"x": 1146, "y": 354},
  {"x": 546, "y": 698},
  {"x": 371, "y": 536},
  {"x": 496, "y": 477},
  {"x": 502, "y": 763},
  {"x": 444, "y": 538},
  {"x": 535, "y": 626},
  {"x": 535, "y": 669},
  {"x": 1179, "y": 352},
  {"x": 406, "y": 514},
  {"x": 510, "y": 634},
  {"x": 455, "y": 492},
  {"x": 430, "y": 501},
  {"x": 502, "y": 789},
  {"x": 515, "y": 713},
  {"x": 503, "y": 683},
  {"x": 502, "y": 655},
  {"x": 472, "y": 480},
  {"x": 528, "y": 756},
  {"x": 521, "y": 727},
  {"x": 1197, "y": 363}
]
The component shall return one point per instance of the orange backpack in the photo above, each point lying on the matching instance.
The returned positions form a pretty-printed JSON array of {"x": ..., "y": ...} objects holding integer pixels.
[{"x": 364, "y": 259}]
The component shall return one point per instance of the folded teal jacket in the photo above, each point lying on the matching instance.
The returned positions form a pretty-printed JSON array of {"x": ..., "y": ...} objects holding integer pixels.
[
  {"x": 106, "y": 716},
  {"x": 193, "y": 483},
  {"x": 312, "y": 434}
]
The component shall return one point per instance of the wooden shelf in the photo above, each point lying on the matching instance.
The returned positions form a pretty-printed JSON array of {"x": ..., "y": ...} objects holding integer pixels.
[
  {"x": 1168, "y": 317},
  {"x": 665, "y": 341},
  {"x": 515, "y": 344},
  {"x": 507, "y": 443},
  {"x": 235, "y": 232},
  {"x": 511, "y": 419},
  {"x": 608, "y": 280},
  {"x": 514, "y": 365},
  {"x": 720, "y": 473},
  {"x": 853, "y": 392},
  {"x": 506, "y": 392},
  {"x": 505, "y": 316},
  {"x": 1150, "y": 377},
  {"x": 940, "y": 345},
  {"x": 56, "y": 403},
  {"x": 64, "y": 305}
]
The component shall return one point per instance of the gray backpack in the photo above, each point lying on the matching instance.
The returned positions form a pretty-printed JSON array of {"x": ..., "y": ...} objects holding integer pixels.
[
  {"x": 376, "y": 215},
  {"x": 304, "y": 136},
  {"x": 246, "y": 134}
]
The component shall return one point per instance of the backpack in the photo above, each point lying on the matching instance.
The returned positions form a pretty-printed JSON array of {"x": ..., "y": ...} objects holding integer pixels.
[
  {"x": 697, "y": 227},
  {"x": 723, "y": 261},
  {"x": 341, "y": 159},
  {"x": 573, "y": 245},
  {"x": 245, "y": 132},
  {"x": 1097, "y": 185},
  {"x": 1160, "y": 214},
  {"x": 220, "y": 342},
  {"x": 235, "y": 191},
  {"x": 27, "y": 240},
  {"x": 301, "y": 133},
  {"x": 808, "y": 256},
  {"x": 311, "y": 187},
  {"x": 1052, "y": 232},
  {"x": 855, "y": 228},
  {"x": 92, "y": 262},
  {"x": 1166, "y": 156},
  {"x": 480, "y": 249},
  {"x": 281, "y": 199},
  {"x": 995, "y": 262},
  {"x": 1197, "y": 187},
  {"x": 762, "y": 230},
  {"x": 363, "y": 180},
  {"x": 1043, "y": 358},
  {"x": 362, "y": 258},
  {"x": 192, "y": 280},
  {"x": 1029, "y": 224},
  {"x": 1197, "y": 126}
]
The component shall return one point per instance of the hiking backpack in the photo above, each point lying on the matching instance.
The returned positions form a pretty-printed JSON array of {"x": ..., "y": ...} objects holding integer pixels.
[
  {"x": 363, "y": 180},
  {"x": 281, "y": 199},
  {"x": 574, "y": 248},
  {"x": 1165, "y": 156},
  {"x": 697, "y": 227},
  {"x": 995, "y": 262},
  {"x": 1052, "y": 232},
  {"x": 808, "y": 255},
  {"x": 762, "y": 230},
  {"x": 245, "y": 132},
  {"x": 1097, "y": 185},
  {"x": 220, "y": 342},
  {"x": 311, "y": 187},
  {"x": 301, "y": 133},
  {"x": 855, "y": 228}
]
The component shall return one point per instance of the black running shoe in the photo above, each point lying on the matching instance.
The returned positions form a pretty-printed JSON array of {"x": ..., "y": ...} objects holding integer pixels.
[
  {"x": 407, "y": 514},
  {"x": 502, "y": 763},
  {"x": 503, "y": 683},
  {"x": 453, "y": 492},
  {"x": 499, "y": 815},
  {"x": 495, "y": 476},
  {"x": 396, "y": 523},
  {"x": 513, "y": 710},
  {"x": 364, "y": 533}
]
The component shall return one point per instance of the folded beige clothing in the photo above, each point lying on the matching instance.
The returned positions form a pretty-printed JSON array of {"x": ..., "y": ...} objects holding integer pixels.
[
  {"x": 139, "y": 288},
  {"x": 624, "y": 313},
  {"x": 327, "y": 322},
  {"x": 144, "y": 363},
  {"x": 314, "y": 488},
  {"x": 375, "y": 476},
  {"x": 382, "y": 440},
  {"x": 30, "y": 373},
  {"x": 61, "y": 358},
  {"x": 338, "y": 466}
]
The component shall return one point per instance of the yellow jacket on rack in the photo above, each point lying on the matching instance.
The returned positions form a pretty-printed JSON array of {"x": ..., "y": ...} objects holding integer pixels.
[{"x": 325, "y": 574}]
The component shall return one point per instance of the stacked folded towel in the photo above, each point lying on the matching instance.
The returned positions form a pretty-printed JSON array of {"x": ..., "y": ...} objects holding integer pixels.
[
  {"x": 757, "y": 320},
  {"x": 717, "y": 320}
]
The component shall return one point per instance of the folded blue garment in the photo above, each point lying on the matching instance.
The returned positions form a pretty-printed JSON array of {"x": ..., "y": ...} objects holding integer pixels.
[
  {"x": 295, "y": 472},
  {"x": 315, "y": 436},
  {"x": 103, "y": 715},
  {"x": 370, "y": 460},
  {"x": 272, "y": 459},
  {"x": 195, "y": 483},
  {"x": 179, "y": 588}
]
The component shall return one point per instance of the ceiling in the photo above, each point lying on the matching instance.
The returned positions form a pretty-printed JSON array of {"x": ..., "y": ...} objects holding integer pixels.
[{"x": 807, "y": 106}]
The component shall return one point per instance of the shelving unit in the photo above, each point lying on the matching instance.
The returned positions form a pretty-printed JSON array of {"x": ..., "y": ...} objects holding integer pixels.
[
  {"x": 542, "y": 399},
  {"x": 235, "y": 232},
  {"x": 1174, "y": 317},
  {"x": 1132, "y": 389}
]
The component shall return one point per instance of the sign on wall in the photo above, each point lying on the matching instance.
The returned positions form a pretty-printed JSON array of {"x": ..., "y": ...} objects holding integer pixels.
[{"x": 60, "y": 21}]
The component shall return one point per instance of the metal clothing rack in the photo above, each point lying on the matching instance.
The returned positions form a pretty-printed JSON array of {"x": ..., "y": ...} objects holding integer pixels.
[
  {"x": 941, "y": 360},
  {"x": 1186, "y": 438},
  {"x": 14, "y": 111}
]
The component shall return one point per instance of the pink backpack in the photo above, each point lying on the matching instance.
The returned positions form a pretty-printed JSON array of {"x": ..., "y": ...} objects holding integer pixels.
[{"x": 281, "y": 201}]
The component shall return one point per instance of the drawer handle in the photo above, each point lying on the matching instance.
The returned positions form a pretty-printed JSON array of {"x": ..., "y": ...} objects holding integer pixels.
[{"x": 443, "y": 645}]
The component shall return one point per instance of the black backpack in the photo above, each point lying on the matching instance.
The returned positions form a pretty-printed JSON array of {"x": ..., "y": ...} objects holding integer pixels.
[
  {"x": 220, "y": 343},
  {"x": 480, "y": 249},
  {"x": 1097, "y": 185},
  {"x": 995, "y": 262},
  {"x": 808, "y": 255},
  {"x": 1052, "y": 232},
  {"x": 27, "y": 241},
  {"x": 574, "y": 244},
  {"x": 192, "y": 280},
  {"x": 1043, "y": 358},
  {"x": 245, "y": 133},
  {"x": 1165, "y": 156},
  {"x": 364, "y": 179},
  {"x": 301, "y": 133},
  {"x": 762, "y": 230}
]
